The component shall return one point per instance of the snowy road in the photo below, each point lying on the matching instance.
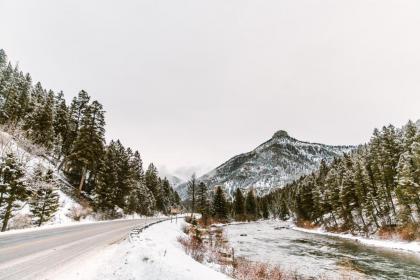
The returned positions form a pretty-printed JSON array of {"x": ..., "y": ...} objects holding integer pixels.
[{"x": 33, "y": 254}]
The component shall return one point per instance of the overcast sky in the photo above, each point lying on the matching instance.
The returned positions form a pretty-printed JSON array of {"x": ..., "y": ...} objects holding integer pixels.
[{"x": 192, "y": 83}]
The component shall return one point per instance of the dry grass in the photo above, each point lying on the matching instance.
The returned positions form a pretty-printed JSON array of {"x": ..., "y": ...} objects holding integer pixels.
[
  {"x": 207, "y": 221},
  {"x": 194, "y": 247},
  {"x": 247, "y": 270},
  {"x": 305, "y": 224},
  {"x": 20, "y": 221},
  {"x": 410, "y": 232},
  {"x": 78, "y": 212}
]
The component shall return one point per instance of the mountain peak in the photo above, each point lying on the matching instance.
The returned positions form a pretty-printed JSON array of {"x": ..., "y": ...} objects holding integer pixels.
[
  {"x": 271, "y": 165},
  {"x": 281, "y": 134}
]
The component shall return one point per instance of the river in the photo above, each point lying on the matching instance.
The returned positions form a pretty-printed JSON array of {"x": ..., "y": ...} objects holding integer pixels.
[{"x": 316, "y": 255}]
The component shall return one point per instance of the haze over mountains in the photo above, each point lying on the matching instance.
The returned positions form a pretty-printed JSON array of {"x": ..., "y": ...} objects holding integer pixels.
[{"x": 271, "y": 165}]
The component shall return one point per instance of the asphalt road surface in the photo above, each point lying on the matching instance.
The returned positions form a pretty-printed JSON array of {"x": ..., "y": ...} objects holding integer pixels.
[{"x": 30, "y": 255}]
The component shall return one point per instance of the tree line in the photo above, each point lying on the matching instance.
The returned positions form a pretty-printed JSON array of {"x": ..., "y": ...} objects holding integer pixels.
[
  {"x": 73, "y": 137},
  {"x": 374, "y": 188},
  {"x": 215, "y": 205}
]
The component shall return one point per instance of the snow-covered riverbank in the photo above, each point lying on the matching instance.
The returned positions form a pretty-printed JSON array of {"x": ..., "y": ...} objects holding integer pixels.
[
  {"x": 413, "y": 246},
  {"x": 153, "y": 254},
  {"x": 312, "y": 254}
]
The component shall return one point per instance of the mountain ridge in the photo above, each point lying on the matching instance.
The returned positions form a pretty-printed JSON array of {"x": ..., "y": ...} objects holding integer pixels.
[{"x": 272, "y": 164}]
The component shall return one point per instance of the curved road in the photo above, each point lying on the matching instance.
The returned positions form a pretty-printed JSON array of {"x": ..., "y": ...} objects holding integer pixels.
[{"x": 32, "y": 254}]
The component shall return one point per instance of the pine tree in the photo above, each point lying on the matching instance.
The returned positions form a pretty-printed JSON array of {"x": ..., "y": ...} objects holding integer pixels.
[
  {"x": 416, "y": 160},
  {"x": 251, "y": 205},
  {"x": 202, "y": 201},
  {"x": 165, "y": 198},
  {"x": 410, "y": 136},
  {"x": 61, "y": 125},
  {"x": 136, "y": 166},
  {"x": 390, "y": 154},
  {"x": 408, "y": 190},
  {"x": 264, "y": 208},
  {"x": 220, "y": 204},
  {"x": 78, "y": 107},
  {"x": 192, "y": 189},
  {"x": 13, "y": 187},
  {"x": 239, "y": 205},
  {"x": 3, "y": 59},
  {"x": 140, "y": 195},
  {"x": 44, "y": 199},
  {"x": 88, "y": 147},
  {"x": 41, "y": 119},
  {"x": 125, "y": 181},
  {"x": 10, "y": 106},
  {"x": 106, "y": 186},
  {"x": 24, "y": 88},
  {"x": 152, "y": 179}
]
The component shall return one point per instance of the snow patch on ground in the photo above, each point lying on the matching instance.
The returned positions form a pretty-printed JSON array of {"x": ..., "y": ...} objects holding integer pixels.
[
  {"x": 153, "y": 254},
  {"x": 413, "y": 246}
]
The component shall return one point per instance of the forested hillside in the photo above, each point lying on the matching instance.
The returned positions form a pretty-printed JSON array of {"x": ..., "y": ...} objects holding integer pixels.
[
  {"x": 72, "y": 137},
  {"x": 373, "y": 190}
]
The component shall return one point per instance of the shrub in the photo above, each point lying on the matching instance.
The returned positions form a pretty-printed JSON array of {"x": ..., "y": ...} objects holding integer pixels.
[
  {"x": 305, "y": 224},
  {"x": 247, "y": 270},
  {"x": 77, "y": 212},
  {"x": 193, "y": 247},
  {"x": 409, "y": 232},
  {"x": 20, "y": 221}
]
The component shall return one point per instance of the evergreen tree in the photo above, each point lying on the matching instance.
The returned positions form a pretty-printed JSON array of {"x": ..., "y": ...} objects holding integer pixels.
[
  {"x": 220, "y": 204},
  {"x": 3, "y": 59},
  {"x": 78, "y": 108},
  {"x": 88, "y": 147},
  {"x": 192, "y": 189},
  {"x": 165, "y": 198},
  {"x": 13, "y": 187},
  {"x": 141, "y": 196},
  {"x": 61, "y": 125},
  {"x": 408, "y": 191},
  {"x": 251, "y": 205},
  {"x": 106, "y": 186},
  {"x": 24, "y": 88},
  {"x": 125, "y": 180},
  {"x": 146, "y": 201},
  {"x": 44, "y": 199},
  {"x": 264, "y": 209},
  {"x": 239, "y": 205},
  {"x": 10, "y": 94},
  {"x": 152, "y": 179},
  {"x": 202, "y": 200}
]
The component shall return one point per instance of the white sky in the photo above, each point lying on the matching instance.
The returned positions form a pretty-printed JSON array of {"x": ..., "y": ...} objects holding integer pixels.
[{"x": 192, "y": 83}]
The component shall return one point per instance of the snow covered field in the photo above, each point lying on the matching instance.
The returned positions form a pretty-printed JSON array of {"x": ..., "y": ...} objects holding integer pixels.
[{"x": 153, "y": 254}]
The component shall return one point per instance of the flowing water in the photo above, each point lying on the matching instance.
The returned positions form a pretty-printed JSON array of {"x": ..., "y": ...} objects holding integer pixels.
[{"x": 315, "y": 255}]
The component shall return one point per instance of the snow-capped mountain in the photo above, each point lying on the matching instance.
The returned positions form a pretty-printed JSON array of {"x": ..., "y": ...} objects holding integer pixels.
[
  {"x": 173, "y": 180},
  {"x": 273, "y": 164}
]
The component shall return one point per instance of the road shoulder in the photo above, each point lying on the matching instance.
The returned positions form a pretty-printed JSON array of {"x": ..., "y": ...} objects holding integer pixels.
[{"x": 152, "y": 254}]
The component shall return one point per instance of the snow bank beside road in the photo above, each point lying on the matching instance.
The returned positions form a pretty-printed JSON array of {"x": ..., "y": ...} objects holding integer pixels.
[{"x": 153, "y": 254}]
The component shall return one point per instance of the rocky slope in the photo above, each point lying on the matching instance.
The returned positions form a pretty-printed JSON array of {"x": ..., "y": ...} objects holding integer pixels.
[{"x": 273, "y": 164}]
